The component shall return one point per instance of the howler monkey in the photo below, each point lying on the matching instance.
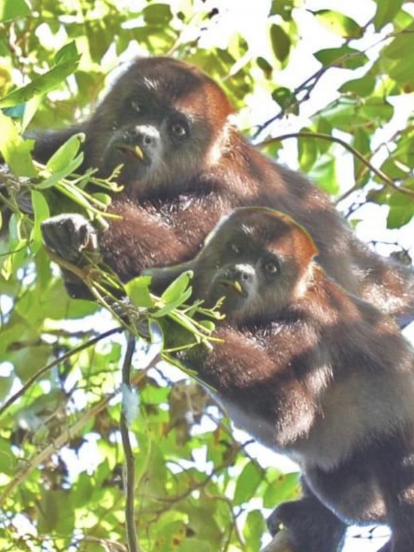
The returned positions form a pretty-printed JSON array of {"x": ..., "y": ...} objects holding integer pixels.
[
  {"x": 185, "y": 166},
  {"x": 311, "y": 371}
]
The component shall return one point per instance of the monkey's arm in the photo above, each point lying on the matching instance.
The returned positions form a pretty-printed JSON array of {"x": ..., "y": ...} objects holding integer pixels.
[
  {"x": 258, "y": 380},
  {"x": 137, "y": 240},
  {"x": 163, "y": 277},
  {"x": 146, "y": 239},
  {"x": 228, "y": 366},
  {"x": 49, "y": 141}
]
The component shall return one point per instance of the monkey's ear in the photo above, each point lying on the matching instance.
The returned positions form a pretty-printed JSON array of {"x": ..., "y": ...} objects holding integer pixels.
[
  {"x": 301, "y": 237},
  {"x": 306, "y": 243},
  {"x": 312, "y": 249}
]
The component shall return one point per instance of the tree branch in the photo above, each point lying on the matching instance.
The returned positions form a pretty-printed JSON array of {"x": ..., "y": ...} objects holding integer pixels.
[
  {"x": 129, "y": 483},
  {"x": 385, "y": 178},
  {"x": 52, "y": 364}
]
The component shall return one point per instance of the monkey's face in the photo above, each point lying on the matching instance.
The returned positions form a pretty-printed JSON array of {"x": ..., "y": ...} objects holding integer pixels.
[
  {"x": 259, "y": 260},
  {"x": 164, "y": 121}
]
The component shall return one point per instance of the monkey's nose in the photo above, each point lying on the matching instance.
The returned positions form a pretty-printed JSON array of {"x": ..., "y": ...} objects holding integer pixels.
[
  {"x": 242, "y": 272},
  {"x": 143, "y": 135}
]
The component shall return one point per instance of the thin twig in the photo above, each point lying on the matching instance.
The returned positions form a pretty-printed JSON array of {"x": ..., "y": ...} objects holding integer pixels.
[
  {"x": 52, "y": 364},
  {"x": 307, "y": 85},
  {"x": 129, "y": 484},
  {"x": 386, "y": 179}
]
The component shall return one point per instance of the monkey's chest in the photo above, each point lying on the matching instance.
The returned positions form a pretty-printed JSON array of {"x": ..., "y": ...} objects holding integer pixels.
[{"x": 262, "y": 429}]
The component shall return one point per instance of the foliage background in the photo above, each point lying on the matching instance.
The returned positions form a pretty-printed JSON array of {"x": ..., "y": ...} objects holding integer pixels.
[{"x": 60, "y": 454}]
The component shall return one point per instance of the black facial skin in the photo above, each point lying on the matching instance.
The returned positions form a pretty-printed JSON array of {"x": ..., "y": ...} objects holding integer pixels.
[
  {"x": 244, "y": 272},
  {"x": 240, "y": 263},
  {"x": 149, "y": 143}
]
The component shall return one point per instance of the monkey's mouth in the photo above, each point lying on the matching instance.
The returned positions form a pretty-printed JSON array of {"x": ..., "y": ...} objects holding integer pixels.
[
  {"x": 233, "y": 285},
  {"x": 133, "y": 152}
]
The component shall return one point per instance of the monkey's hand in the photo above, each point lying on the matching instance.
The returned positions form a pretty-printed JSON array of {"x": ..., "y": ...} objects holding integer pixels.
[
  {"x": 69, "y": 237},
  {"x": 73, "y": 243}
]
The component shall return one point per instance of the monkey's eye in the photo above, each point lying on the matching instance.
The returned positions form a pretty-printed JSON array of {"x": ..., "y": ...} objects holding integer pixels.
[
  {"x": 271, "y": 267},
  {"x": 137, "y": 106},
  {"x": 179, "y": 129}
]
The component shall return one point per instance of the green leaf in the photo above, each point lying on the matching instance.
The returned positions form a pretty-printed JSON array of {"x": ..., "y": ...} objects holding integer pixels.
[
  {"x": 6, "y": 383},
  {"x": 247, "y": 483},
  {"x": 30, "y": 109},
  {"x": 253, "y": 529},
  {"x": 46, "y": 82},
  {"x": 208, "y": 325},
  {"x": 401, "y": 210},
  {"x": 175, "y": 290},
  {"x": 376, "y": 110},
  {"x": 361, "y": 87},
  {"x": 324, "y": 127},
  {"x": 14, "y": 149},
  {"x": 361, "y": 143},
  {"x": 264, "y": 66},
  {"x": 344, "y": 57},
  {"x": 29, "y": 359},
  {"x": 323, "y": 172},
  {"x": 401, "y": 45},
  {"x": 341, "y": 114},
  {"x": 7, "y": 458},
  {"x": 106, "y": 199},
  {"x": 286, "y": 99},
  {"x": 56, "y": 177},
  {"x": 280, "y": 42},
  {"x": 179, "y": 300},
  {"x": 283, "y": 8},
  {"x": 68, "y": 52},
  {"x": 10, "y": 9},
  {"x": 394, "y": 170},
  {"x": 41, "y": 213},
  {"x": 56, "y": 512},
  {"x": 405, "y": 152},
  {"x": 17, "y": 244},
  {"x": 65, "y": 154},
  {"x": 386, "y": 11},
  {"x": 192, "y": 544},
  {"x": 157, "y": 14},
  {"x": 138, "y": 291},
  {"x": 308, "y": 152},
  {"x": 339, "y": 23},
  {"x": 82, "y": 493},
  {"x": 284, "y": 487},
  {"x": 397, "y": 59}
]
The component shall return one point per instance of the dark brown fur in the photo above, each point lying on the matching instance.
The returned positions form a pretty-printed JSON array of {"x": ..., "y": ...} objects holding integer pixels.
[
  {"x": 169, "y": 208},
  {"x": 313, "y": 372}
]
